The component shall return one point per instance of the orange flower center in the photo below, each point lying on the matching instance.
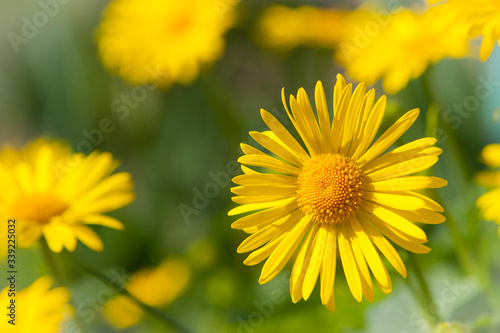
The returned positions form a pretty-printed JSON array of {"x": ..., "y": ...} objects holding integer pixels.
[
  {"x": 39, "y": 208},
  {"x": 330, "y": 188},
  {"x": 180, "y": 24}
]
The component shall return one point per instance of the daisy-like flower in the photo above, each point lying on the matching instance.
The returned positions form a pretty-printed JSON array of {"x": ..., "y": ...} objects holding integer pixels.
[
  {"x": 282, "y": 27},
  {"x": 157, "y": 286},
  {"x": 38, "y": 308},
  {"x": 489, "y": 202},
  {"x": 338, "y": 195},
  {"x": 55, "y": 193},
  {"x": 481, "y": 16},
  {"x": 396, "y": 48},
  {"x": 163, "y": 41}
]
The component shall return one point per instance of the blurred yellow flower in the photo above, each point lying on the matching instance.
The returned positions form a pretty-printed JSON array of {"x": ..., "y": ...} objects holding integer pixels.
[
  {"x": 163, "y": 41},
  {"x": 37, "y": 308},
  {"x": 481, "y": 16},
  {"x": 340, "y": 190},
  {"x": 489, "y": 203},
  {"x": 153, "y": 286},
  {"x": 399, "y": 47},
  {"x": 282, "y": 27},
  {"x": 54, "y": 192}
]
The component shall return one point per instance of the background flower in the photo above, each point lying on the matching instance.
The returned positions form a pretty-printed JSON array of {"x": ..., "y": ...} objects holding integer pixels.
[
  {"x": 38, "y": 308},
  {"x": 56, "y": 193},
  {"x": 395, "y": 48},
  {"x": 489, "y": 202},
  {"x": 161, "y": 42},
  {"x": 157, "y": 286},
  {"x": 481, "y": 16}
]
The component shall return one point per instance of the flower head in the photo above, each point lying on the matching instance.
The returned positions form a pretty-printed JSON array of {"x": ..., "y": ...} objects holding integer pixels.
[
  {"x": 339, "y": 194},
  {"x": 285, "y": 28},
  {"x": 396, "y": 48},
  {"x": 482, "y": 17},
  {"x": 39, "y": 308},
  {"x": 163, "y": 41},
  {"x": 489, "y": 202},
  {"x": 55, "y": 193},
  {"x": 154, "y": 286}
]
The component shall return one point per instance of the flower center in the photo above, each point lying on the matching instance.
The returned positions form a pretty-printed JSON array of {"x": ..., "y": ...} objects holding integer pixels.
[
  {"x": 180, "y": 24},
  {"x": 330, "y": 188},
  {"x": 39, "y": 208}
]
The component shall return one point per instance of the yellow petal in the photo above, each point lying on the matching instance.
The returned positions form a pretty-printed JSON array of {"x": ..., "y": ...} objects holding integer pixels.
[
  {"x": 323, "y": 114},
  {"x": 271, "y": 145},
  {"x": 364, "y": 273},
  {"x": 422, "y": 216},
  {"x": 360, "y": 130},
  {"x": 411, "y": 150},
  {"x": 398, "y": 201},
  {"x": 258, "y": 199},
  {"x": 303, "y": 127},
  {"x": 265, "y": 234},
  {"x": 404, "y": 168},
  {"x": 269, "y": 162},
  {"x": 328, "y": 268},
  {"x": 267, "y": 216},
  {"x": 315, "y": 261},
  {"x": 265, "y": 251},
  {"x": 250, "y": 190},
  {"x": 284, "y": 251},
  {"x": 280, "y": 131},
  {"x": 88, "y": 237},
  {"x": 389, "y": 137},
  {"x": 395, "y": 235},
  {"x": 103, "y": 220},
  {"x": 301, "y": 263},
  {"x": 349, "y": 263},
  {"x": 491, "y": 155},
  {"x": 372, "y": 258},
  {"x": 395, "y": 221},
  {"x": 264, "y": 179},
  {"x": 372, "y": 125},
  {"x": 352, "y": 116},
  {"x": 404, "y": 184},
  {"x": 487, "y": 46},
  {"x": 258, "y": 206},
  {"x": 384, "y": 246}
]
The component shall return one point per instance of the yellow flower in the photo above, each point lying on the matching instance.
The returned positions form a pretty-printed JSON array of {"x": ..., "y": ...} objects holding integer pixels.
[
  {"x": 37, "y": 308},
  {"x": 338, "y": 193},
  {"x": 397, "y": 48},
  {"x": 481, "y": 16},
  {"x": 285, "y": 28},
  {"x": 54, "y": 193},
  {"x": 163, "y": 41},
  {"x": 153, "y": 286},
  {"x": 489, "y": 202}
]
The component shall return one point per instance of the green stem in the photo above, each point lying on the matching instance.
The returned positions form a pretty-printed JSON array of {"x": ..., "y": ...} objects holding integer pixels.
[
  {"x": 159, "y": 315},
  {"x": 422, "y": 292},
  {"x": 48, "y": 257}
]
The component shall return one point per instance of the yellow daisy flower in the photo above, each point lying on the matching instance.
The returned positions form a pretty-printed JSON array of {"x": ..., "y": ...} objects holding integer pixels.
[
  {"x": 54, "y": 193},
  {"x": 286, "y": 28},
  {"x": 336, "y": 195},
  {"x": 481, "y": 16},
  {"x": 157, "y": 286},
  {"x": 489, "y": 202},
  {"x": 37, "y": 308},
  {"x": 396, "y": 48},
  {"x": 163, "y": 41}
]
